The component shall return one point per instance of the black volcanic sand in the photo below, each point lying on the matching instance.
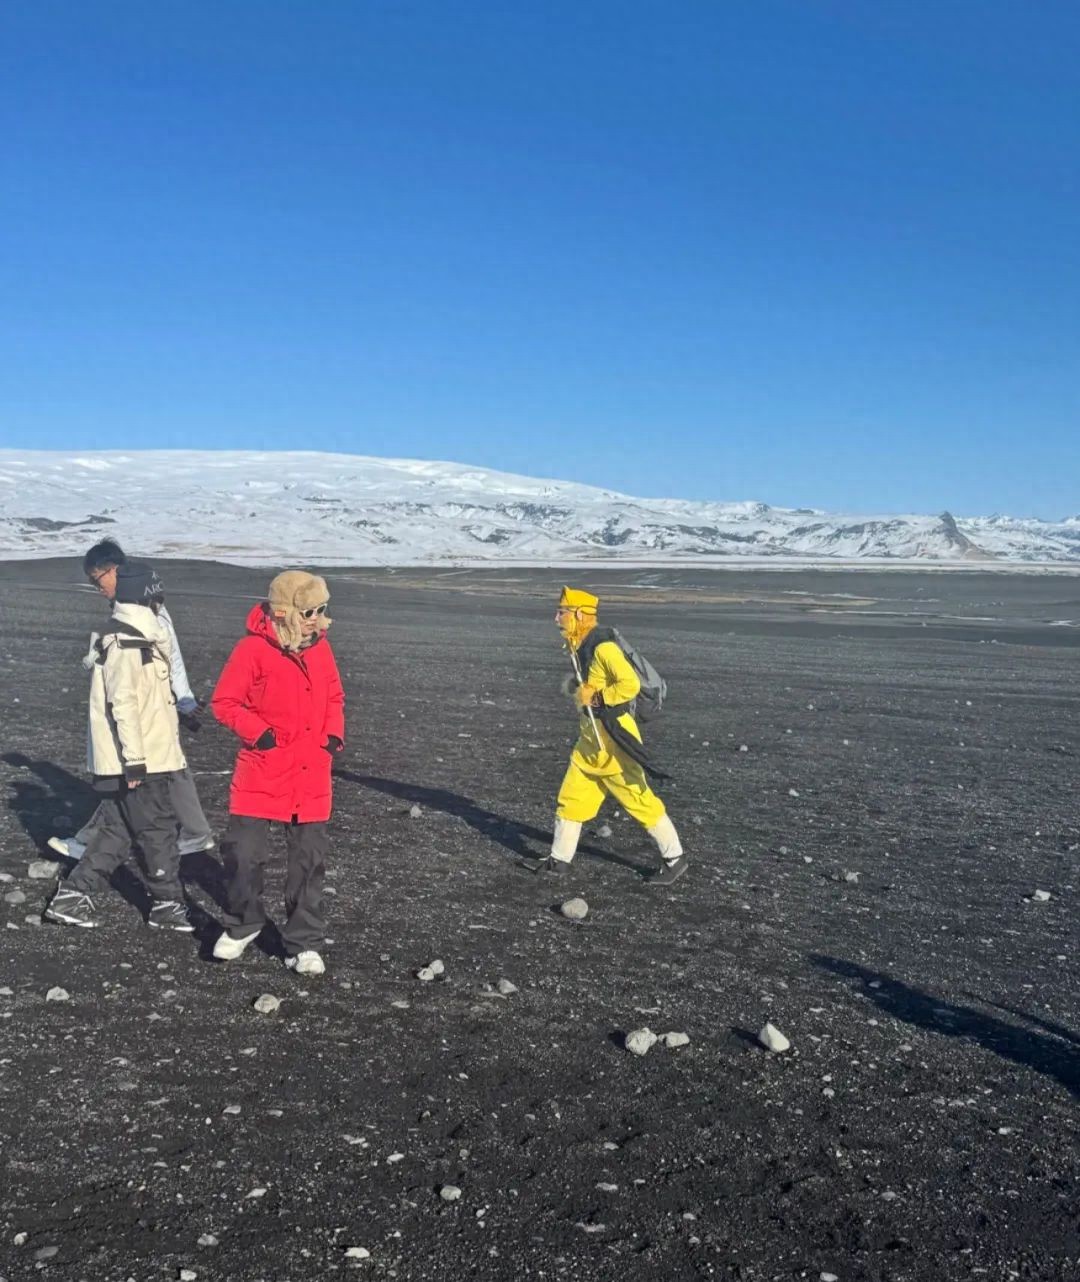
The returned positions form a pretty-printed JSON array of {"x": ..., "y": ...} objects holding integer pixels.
[{"x": 923, "y": 1125}]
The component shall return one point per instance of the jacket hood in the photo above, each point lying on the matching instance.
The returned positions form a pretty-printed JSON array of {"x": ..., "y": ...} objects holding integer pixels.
[{"x": 141, "y": 617}]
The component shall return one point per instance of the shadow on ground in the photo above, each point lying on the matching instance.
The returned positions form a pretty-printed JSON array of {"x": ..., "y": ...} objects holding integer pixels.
[{"x": 1056, "y": 1055}]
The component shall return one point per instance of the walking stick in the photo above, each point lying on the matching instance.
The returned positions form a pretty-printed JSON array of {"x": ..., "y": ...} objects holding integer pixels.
[{"x": 588, "y": 706}]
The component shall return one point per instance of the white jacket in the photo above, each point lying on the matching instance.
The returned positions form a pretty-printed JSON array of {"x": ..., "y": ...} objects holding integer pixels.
[{"x": 133, "y": 727}]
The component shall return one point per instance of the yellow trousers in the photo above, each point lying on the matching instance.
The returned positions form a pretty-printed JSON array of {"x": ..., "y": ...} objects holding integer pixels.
[{"x": 582, "y": 793}]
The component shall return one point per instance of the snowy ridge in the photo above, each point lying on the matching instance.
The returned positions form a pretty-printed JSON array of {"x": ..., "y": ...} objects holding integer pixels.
[{"x": 249, "y": 507}]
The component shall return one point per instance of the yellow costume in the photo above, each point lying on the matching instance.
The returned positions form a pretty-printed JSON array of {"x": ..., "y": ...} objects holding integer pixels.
[{"x": 597, "y": 767}]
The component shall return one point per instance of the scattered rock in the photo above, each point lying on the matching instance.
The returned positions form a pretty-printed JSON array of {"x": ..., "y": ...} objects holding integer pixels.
[
  {"x": 575, "y": 909},
  {"x": 640, "y": 1041},
  {"x": 792, "y": 792},
  {"x": 1041, "y": 896},
  {"x": 852, "y": 877},
  {"x": 506, "y": 988},
  {"x": 672, "y": 1040},
  {"x": 415, "y": 812},
  {"x": 425, "y": 974},
  {"x": 6, "y": 876},
  {"x": 604, "y": 830},
  {"x": 773, "y": 1039},
  {"x": 828, "y": 1277},
  {"x": 231, "y": 1109},
  {"x": 42, "y": 870},
  {"x": 187, "y": 1275},
  {"x": 744, "y": 747},
  {"x": 19, "y": 1239},
  {"x": 267, "y": 1003},
  {"x": 207, "y": 1239},
  {"x": 449, "y": 1192},
  {"x": 395, "y": 1158},
  {"x": 436, "y": 967},
  {"x": 608, "y": 1188},
  {"x": 257, "y": 1193},
  {"x": 357, "y": 1253},
  {"x": 58, "y": 995},
  {"x": 15, "y": 897},
  {"x": 46, "y": 1252}
]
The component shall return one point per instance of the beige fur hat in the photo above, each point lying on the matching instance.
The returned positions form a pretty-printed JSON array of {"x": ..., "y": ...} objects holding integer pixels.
[{"x": 290, "y": 593}]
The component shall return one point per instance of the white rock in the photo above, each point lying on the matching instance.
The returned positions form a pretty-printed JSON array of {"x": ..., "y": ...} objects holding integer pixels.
[
  {"x": 608, "y": 1188},
  {"x": 425, "y": 974},
  {"x": 42, "y": 870},
  {"x": 58, "y": 995},
  {"x": 792, "y": 792},
  {"x": 19, "y": 1239},
  {"x": 851, "y": 876},
  {"x": 207, "y": 1239},
  {"x": 15, "y": 897},
  {"x": 6, "y": 876},
  {"x": 744, "y": 747},
  {"x": 575, "y": 909},
  {"x": 396, "y": 1157},
  {"x": 187, "y": 1275},
  {"x": 267, "y": 1003},
  {"x": 415, "y": 812},
  {"x": 773, "y": 1039},
  {"x": 357, "y": 1253},
  {"x": 1041, "y": 896},
  {"x": 604, "y": 830},
  {"x": 506, "y": 987},
  {"x": 640, "y": 1041},
  {"x": 449, "y": 1192},
  {"x": 436, "y": 967},
  {"x": 828, "y": 1277},
  {"x": 672, "y": 1040},
  {"x": 231, "y": 1109},
  {"x": 257, "y": 1192}
]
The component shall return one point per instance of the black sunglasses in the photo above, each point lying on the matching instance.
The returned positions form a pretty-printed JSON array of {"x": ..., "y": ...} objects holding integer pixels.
[{"x": 314, "y": 611}]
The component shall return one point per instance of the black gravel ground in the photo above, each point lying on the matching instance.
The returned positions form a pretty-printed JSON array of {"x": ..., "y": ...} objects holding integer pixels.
[{"x": 921, "y": 731}]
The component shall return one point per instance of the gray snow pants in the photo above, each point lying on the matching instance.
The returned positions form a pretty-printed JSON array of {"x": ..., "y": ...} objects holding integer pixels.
[
  {"x": 187, "y": 808},
  {"x": 142, "y": 815},
  {"x": 246, "y": 849}
]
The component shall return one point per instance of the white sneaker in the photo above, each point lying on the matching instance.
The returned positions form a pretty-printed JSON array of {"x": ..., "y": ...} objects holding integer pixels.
[
  {"x": 228, "y": 949},
  {"x": 306, "y": 963},
  {"x": 197, "y": 844},
  {"x": 67, "y": 846}
]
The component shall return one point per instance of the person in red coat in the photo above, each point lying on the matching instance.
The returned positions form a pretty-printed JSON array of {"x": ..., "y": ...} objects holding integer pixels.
[{"x": 280, "y": 692}]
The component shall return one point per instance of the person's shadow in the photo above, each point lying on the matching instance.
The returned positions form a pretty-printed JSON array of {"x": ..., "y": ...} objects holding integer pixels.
[
  {"x": 511, "y": 834},
  {"x": 1056, "y": 1055},
  {"x": 55, "y": 798}
]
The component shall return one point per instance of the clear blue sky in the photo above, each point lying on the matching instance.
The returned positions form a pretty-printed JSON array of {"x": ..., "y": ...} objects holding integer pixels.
[{"x": 811, "y": 252}]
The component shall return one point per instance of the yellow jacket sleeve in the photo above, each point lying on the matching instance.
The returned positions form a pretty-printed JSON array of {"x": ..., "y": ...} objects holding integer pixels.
[{"x": 611, "y": 673}]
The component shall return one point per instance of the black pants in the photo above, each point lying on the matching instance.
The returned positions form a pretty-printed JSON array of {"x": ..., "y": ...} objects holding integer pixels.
[
  {"x": 144, "y": 816},
  {"x": 246, "y": 849}
]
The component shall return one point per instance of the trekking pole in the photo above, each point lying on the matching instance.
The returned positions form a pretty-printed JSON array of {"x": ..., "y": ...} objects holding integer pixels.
[{"x": 588, "y": 706}]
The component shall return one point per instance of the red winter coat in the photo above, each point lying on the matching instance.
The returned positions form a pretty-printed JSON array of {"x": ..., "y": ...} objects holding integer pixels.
[{"x": 298, "y": 695}]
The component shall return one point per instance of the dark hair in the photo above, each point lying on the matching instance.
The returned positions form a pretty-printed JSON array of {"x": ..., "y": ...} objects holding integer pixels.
[{"x": 103, "y": 556}]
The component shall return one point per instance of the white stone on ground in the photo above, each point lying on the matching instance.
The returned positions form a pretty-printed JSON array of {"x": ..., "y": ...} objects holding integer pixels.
[
  {"x": 773, "y": 1039},
  {"x": 1041, "y": 896},
  {"x": 207, "y": 1239},
  {"x": 415, "y": 812},
  {"x": 267, "y": 1004},
  {"x": 436, "y": 967},
  {"x": 357, "y": 1253},
  {"x": 604, "y": 830},
  {"x": 58, "y": 995},
  {"x": 425, "y": 974},
  {"x": 851, "y": 876},
  {"x": 640, "y": 1041},
  {"x": 672, "y": 1040},
  {"x": 15, "y": 897},
  {"x": 575, "y": 909},
  {"x": 42, "y": 870},
  {"x": 187, "y": 1275},
  {"x": 506, "y": 988},
  {"x": 449, "y": 1192}
]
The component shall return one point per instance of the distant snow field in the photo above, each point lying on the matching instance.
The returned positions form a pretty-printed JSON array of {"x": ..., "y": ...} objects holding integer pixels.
[{"x": 254, "y": 508}]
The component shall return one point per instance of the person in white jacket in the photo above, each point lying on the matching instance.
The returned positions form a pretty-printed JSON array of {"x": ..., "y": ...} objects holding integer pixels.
[
  {"x": 100, "y": 565},
  {"x": 133, "y": 749}
]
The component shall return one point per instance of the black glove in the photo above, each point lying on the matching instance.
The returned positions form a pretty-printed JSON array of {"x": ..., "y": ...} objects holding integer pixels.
[
  {"x": 265, "y": 741},
  {"x": 333, "y": 744},
  {"x": 190, "y": 721}
]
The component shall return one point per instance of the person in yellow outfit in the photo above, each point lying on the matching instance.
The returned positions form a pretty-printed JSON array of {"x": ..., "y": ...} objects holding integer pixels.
[{"x": 608, "y": 758}]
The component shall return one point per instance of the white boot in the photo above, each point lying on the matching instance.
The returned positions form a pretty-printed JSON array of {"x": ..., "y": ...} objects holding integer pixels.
[
  {"x": 306, "y": 963},
  {"x": 667, "y": 840},
  {"x": 226, "y": 948},
  {"x": 564, "y": 843}
]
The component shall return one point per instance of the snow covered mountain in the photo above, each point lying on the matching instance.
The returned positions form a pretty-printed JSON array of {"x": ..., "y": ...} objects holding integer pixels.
[{"x": 339, "y": 509}]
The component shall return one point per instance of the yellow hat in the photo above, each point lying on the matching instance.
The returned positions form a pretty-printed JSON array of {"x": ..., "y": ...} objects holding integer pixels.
[{"x": 576, "y": 599}]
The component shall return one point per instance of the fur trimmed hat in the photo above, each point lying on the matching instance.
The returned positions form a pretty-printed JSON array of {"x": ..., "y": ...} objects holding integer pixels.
[{"x": 291, "y": 593}]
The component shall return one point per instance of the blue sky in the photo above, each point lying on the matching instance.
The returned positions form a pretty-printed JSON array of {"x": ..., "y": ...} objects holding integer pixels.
[{"x": 815, "y": 253}]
